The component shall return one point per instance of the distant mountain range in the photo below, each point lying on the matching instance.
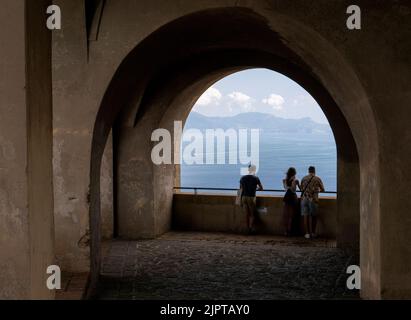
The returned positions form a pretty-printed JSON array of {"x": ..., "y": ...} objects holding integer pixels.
[{"x": 255, "y": 120}]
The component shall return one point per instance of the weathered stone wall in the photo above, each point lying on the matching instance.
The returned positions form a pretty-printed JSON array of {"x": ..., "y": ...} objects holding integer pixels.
[
  {"x": 75, "y": 105},
  {"x": 26, "y": 192},
  {"x": 219, "y": 213},
  {"x": 366, "y": 73},
  {"x": 15, "y": 250},
  {"x": 72, "y": 125}
]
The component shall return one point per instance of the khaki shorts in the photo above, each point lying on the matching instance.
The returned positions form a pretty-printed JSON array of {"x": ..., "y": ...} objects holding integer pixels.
[{"x": 249, "y": 204}]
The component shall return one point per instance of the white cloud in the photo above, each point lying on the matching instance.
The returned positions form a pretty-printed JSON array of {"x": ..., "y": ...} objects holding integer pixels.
[
  {"x": 274, "y": 100},
  {"x": 283, "y": 98},
  {"x": 210, "y": 96},
  {"x": 214, "y": 103},
  {"x": 239, "y": 102},
  {"x": 239, "y": 97}
]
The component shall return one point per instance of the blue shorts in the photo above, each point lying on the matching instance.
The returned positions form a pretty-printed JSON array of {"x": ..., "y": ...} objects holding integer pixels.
[{"x": 308, "y": 208}]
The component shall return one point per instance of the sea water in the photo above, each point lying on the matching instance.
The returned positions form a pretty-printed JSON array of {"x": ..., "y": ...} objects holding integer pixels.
[{"x": 277, "y": 152}]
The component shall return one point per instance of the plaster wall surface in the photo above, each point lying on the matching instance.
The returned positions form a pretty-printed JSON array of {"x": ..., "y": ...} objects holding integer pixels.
[
  {"x": 14, "y": 226},
  {"x": 26, "y": 197},
  {"x": 366, "y": 72},
  {"x": 219, "y": 213},
  {"x": 75, "y": 104}
]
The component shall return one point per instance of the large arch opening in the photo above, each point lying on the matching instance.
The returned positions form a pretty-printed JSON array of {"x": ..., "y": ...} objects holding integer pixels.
[
  {"x": 290, "y": 127},
  {"x": 254, "y": 116},
  {"x": 151, "y": 89}
]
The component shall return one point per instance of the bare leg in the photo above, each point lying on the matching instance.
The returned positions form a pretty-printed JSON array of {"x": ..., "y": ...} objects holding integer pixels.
[
  {"x": 310, "y": 225},
  {"x": 247, "y": 216},
  {"x": 285, "y": 218},
  {"x": 290, "y": 219},
  {"x": 306, "y": 224},
  {"x": 314, "y": 224},
  {"x": 253, "y": 210},
  {"x": 251, "y": 221},
  {"x": 287, "y": 212}
]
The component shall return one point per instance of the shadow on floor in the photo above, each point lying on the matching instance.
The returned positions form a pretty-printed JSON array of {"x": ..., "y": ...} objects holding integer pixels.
[{"x": 191, "y": 266}]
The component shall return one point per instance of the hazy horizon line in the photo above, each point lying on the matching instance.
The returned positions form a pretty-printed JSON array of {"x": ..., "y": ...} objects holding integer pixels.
[{"x": 256, "y": 112}]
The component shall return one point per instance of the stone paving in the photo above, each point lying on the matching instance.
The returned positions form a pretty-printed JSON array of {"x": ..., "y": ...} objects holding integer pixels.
[
  {"x": 73, "y": 286},
  {"x": 220, "y": 266}
]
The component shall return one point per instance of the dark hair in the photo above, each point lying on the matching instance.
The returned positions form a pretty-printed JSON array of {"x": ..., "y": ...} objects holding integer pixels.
[
  {"x": 311, "y": 169},
  {"x": 290, "y": 173}
]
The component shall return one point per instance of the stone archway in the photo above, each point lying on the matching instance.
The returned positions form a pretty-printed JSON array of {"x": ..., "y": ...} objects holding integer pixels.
[{"x": 179, "y": 61}]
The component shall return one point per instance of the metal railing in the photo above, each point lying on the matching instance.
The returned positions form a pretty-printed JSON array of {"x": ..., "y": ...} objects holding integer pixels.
[{"x": 196, "y": 189}]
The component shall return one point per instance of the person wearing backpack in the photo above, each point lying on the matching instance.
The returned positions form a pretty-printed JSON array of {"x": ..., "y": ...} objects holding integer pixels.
[{"x": 311, "y": 186}]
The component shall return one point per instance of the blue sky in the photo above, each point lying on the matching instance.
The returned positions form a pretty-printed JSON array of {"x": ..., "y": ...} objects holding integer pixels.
[{"x": 259, "y": 90}]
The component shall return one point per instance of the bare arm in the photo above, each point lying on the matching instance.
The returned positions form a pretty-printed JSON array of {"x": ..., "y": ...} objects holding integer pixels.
[
  {"x": 322, "y": 189},
  {"x": 260, "y": 186},
  {"x": 302, "y": 185}
]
